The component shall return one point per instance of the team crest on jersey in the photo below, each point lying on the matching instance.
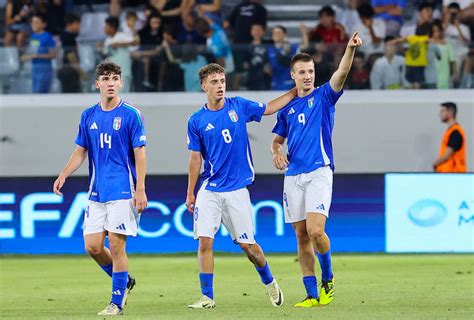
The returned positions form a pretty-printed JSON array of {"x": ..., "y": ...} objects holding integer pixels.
[
  {"x": 233, "y": 116},
  {"x": 311, "y": 102},
  {"x": 117, "y": 123}
]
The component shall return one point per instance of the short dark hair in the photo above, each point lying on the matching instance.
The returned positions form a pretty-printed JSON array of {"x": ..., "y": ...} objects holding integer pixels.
[
  {"x": 327, "y": 10},
  {"x": 209, "y": 69},
  {"x": 106, "y": 68},
  {"x": 131, "y": 14},
  {"x": 42, "y": 17},
  {"x": 425, "y": 4},
  {"x": 424, "y": 30},
  {"x": 303, "y": 57},
  {"x": 71, "y": 18},
  {"x": 281, "y": 27},
  {"x": 113, "y": 22},
  {"x": 202, "y": 26},
  {"x": 450, "y": 106},
  {"x": 365, "y": 10},
  {"x": 454, "y": 5},
  {"x": 438, "y": 23}
]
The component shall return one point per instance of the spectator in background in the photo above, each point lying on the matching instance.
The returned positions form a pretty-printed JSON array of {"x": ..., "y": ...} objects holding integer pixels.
[
  {"x": 332, "y": 33},
  {"x": 53, "y": 10},
  {"x": 130, "y": 28},
  {"x": 209, "y": 8},
  {"x": 116, "y": 49},
  {"x": 467, "y": 79},
  {"x": 191, "y": 61},
  {"x": 187, "y": 31},
  {"x": 217, "y": 42},
  {"x": 170, "y": 75},
  {"x": 244, "y": 15},
  {"x": 70, "y": 72},
  {"x": 370, "y": 29},
  {"x": 416, "y": 58},
  {"x": 391, "y": 11},
  {"x": 457, "y": 34},
  {"x": 170, "y": 11},
  {"x": 425, "y": 15},
  {"x": 452, "y": 153},
  {"x": 388, "y": 71},
  {"x": 17, "y": 26},
  {"x": 256, "y": 61},
  {"x": 146, "y": 57},
  {"x": 446, "y": 62},
  {"x": 358, "y": 77},
  {"x": 41, "y": 53},
  {"x": 279, "y": 56},
  {"x": 323, "y": 61}
]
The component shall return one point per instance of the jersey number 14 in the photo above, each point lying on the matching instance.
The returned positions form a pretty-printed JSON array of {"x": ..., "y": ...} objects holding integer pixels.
[{"x": 105, "y": 139}]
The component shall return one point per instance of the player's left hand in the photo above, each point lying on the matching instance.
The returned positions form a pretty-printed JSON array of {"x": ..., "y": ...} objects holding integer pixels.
[
  {"x": 140, "y": 201},
  {"x": 355, "y": 41}
]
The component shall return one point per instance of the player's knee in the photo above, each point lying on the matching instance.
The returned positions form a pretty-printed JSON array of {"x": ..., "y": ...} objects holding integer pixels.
[
  {"x": 302, "y": 237},
  {"x": 205, "y": 247},
  {"x": 316, "y": 234},
  {"x": 94, "y": 250},
  {"x": 245, "y": 247}
]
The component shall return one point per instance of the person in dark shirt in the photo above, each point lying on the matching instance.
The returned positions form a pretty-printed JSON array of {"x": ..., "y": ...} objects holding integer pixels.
[
  {"x": 17, "y": 28},
  {"x": 170, "y": 11},
  {"x": 187, "y": 32},
  {"x": 171, "y": 77},
  {"x": 53, "y": 10},
  {"x": 256, "y": 62},
  {"x": 246, "y": 14},
  {"x": 70, "y": 72}
]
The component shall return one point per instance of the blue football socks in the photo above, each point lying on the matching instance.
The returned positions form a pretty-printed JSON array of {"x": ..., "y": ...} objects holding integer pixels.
[
  {"x": 326, "y": 266},
  {"x": 206, "y": 280},
  {"x": 119, "y": 285},
  {"x": 108, "y": 269},
  {"x": 311, "y": 286},
  {"x": 265, "y": 273}
]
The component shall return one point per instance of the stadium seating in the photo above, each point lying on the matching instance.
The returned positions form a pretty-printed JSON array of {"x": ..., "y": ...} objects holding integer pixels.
[{"x": 92, "y": 26}]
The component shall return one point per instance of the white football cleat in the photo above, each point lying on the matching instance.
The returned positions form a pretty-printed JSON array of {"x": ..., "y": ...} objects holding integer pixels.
[
  {"x": 203, "y": 303},
  {"x": 275, "y": 293},
  {"x": 111, "y": 310}
]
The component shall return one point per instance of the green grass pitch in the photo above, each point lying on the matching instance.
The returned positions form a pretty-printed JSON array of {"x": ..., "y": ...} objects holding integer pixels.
[{"x": 367, "y": 287}]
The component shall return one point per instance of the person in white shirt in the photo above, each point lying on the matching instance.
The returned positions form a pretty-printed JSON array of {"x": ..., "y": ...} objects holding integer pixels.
[
  {"x": 370, "y": 29},
  {"x": 116, "y": 49},
  {"x": 388, "y": 71}
]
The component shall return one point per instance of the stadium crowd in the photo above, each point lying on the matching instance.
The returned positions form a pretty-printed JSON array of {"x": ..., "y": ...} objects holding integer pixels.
[{"x": 161, "y": 44}]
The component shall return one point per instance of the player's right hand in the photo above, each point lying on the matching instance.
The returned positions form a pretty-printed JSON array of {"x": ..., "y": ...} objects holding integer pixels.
[
  {"x": 280, "y": 161},
  {"x": 190, "y": 200},
  {"x": 58, "y": 184}
]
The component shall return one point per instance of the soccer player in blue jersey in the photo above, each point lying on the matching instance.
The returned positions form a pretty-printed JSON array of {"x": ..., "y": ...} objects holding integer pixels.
[
  {"x": 218, "y": 134},
  {"x": 307, "y": 122},
  {"x": 112, "y": 135}
]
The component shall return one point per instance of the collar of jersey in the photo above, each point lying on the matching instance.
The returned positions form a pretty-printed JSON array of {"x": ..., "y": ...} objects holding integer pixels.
[
  {"x": 118, "y": 105},
  {"x": 223, "y": 107}
]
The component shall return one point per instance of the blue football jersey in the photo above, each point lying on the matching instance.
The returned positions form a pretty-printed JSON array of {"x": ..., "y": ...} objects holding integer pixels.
[
  {"x": 110, "y": 137},
  {"x": 308, "y": 122},
  {"x": 221, "y": 137}
]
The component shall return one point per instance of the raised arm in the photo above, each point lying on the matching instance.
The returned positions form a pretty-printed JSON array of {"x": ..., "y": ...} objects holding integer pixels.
[
  {"x": 140, "y": 201},
  {"x": 276, "y": 104},
  {"x": 340, "y": 75},
  {"x": 195, "y": 162},
  {"x": 280, "y": 161},
  {"x": 75, "y": 161}
]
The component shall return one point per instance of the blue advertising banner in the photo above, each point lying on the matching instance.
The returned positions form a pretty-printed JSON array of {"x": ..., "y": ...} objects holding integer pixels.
[
  {"x": 34, "y": 220},
  {"x": 430, "y": 212}
]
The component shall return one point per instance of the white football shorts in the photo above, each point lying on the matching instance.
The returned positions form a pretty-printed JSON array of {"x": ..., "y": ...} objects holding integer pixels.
[
  {"x": 307, "y": 192},
  {"x": 233, "y": 209},
  {"x": 118, "y": 216}
]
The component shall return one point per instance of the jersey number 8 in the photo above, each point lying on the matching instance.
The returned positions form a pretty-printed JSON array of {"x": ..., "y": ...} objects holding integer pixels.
[{"x": 227, "y": 136}]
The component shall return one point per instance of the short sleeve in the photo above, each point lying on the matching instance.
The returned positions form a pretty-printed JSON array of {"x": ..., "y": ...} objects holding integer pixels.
[
  {"x": 281, "y": 126},
  {"x": 194, "y": 141},
  {"x": 81, "y": 139},
  {"x": 253, "y": 110},
  {"x": 455, "y": 140},
  {"x": 331, "y": 95},
  {"x": 137, "y": 130}
]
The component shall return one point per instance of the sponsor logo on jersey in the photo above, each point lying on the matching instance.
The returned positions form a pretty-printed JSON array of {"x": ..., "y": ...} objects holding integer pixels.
[
  {"x": 117, "y": 123},
  {"x": 209, "y": 126},
  {"x": 233, "y": 116},
  {"x": 291, "y": 111},
  {"x": 94, "y": 126}
]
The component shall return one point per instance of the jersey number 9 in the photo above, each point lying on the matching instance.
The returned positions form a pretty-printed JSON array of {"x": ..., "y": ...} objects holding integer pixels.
[
  {"x": 227, "y": 136},
  {"x": 301, "y": 119},
  {"x": 105, "y": 139}
]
